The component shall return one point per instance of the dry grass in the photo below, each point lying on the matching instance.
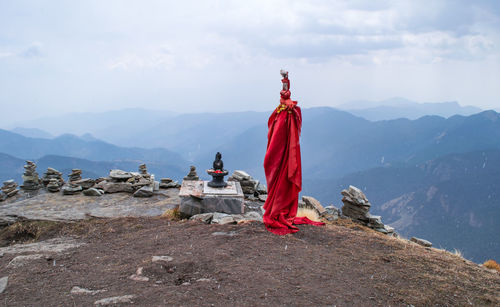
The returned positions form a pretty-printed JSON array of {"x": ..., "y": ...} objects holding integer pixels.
[
  {"x": 309, "y": 213},
  {"x": 27, "y": 231},
  {"x": 492, "y": 264},
  {"x": 172, "y": 214}
]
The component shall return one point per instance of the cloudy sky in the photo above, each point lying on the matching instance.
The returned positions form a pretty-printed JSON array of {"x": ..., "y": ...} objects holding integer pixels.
[{"x": 195, "y": 56}]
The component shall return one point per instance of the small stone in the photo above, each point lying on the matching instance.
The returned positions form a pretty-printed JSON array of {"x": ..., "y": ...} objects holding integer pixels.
[
  {"x": 261, "y": 189},
  {"x": 3, "y": 283},
  {"x": 79, "y": 290},
  {"x": 421, "y": 242},
  {"x": 222, "y": 233},
  {"x": 222, "y": 219},
  {"x": 263, "y": 197},
  {"x": 162, "y": 258},
  {"x": 186, "y": 283},
  {"x": 239, "y": 175},
  {"x": 115, "y": 300},
  {"x": 93, "y": 192},
  {"x": 204, "y": 280}
]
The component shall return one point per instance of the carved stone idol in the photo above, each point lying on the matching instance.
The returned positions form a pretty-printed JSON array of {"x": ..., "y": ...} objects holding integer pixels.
[{"x": 217, "y": 173}]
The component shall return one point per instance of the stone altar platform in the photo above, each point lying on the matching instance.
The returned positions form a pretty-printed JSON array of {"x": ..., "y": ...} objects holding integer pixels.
[{"x": 197, "y": 197}]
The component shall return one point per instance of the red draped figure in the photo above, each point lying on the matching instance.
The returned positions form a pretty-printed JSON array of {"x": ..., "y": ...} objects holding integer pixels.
[{"x": 282, "y": 165}]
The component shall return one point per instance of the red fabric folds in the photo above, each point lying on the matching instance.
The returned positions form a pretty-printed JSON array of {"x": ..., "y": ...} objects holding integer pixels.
[{"x": 282, "y": 165}]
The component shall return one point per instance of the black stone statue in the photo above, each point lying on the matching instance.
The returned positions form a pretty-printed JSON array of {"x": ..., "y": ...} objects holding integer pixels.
[{"x": 217, "y": 173}]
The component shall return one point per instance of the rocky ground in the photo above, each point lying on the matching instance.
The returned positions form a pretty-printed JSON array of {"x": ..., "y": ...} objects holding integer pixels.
[{"x": 152, "y": 261}]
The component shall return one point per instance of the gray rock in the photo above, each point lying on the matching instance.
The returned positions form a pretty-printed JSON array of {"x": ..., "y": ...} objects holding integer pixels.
[
  {"x": 116, "y": 187},
  {"x": 239, "y": 175},
  {"x": 3, "y": 196},
  {"x": 421, "y": 242},
  {"x": 86, "y": 183},
  {"x": 19, "y": 261},
  {"x": 93, "y": 192},
  {"x": 3, "y": 283},
  {"x": 146, "y": 191},
  {"x": 261, "y": 189},
  {"x": 115, "y": 300},
  {"x": 71, "y": 189},
  {"x": 222, "y": 219},
  {"x": 53, "y": 185},
  {"x": 119, "y": 175},
  {"x": 262, "y": 197},
  {"x": 375, "y": 221},
  {"x": 162, "y": 259},
  {"x": 79, "y": 290},
  {"x": 169, "y": 185},
  {"x": 225, "y": 234},
  {"x": 314, "y": 204},
  {"x": 203, "y": 217}
]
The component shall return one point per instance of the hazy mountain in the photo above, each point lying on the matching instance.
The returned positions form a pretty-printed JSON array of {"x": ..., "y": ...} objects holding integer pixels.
[
  {"x": 335, "y": 143},
  {"x": 71, "y": 146},
  {"x": 80, "y": 123},
  {"x": 402, "y": 108},
  {"x": 453, "y": 201},
  {"x": 32, "y": 133}
]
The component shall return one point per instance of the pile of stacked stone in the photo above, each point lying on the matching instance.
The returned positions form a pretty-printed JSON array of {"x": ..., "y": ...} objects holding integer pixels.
[
  {"x": 192, "y": 175},
  {"x": 117, "y": 181},
  {"x": 251, "y": 187},
  {"x": 76, "y": 174},
  {"x": 31, "y": 181},
  {"x": 357, "y": 207},
  {"x": 143, "y": 170},
  {"x": 52, "y": 174},
  {"x": 9, "y": 189},
  {"x": 53, "y": 185},
  {"x": 167, "y": 183}
]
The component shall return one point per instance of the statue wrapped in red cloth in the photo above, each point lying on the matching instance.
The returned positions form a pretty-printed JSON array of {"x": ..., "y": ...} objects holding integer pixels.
[{"x": 282, "y": 165}]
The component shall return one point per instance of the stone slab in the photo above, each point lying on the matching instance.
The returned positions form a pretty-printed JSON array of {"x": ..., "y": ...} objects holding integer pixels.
[
  {"x": 230, "y": 189},
  {"x": 192, "y": 205}
]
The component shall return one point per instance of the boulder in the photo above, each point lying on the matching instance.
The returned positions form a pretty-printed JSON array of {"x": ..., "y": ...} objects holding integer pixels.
[
  {"x": 146, "y": 191},
  {"x": 116, "y": 187}
]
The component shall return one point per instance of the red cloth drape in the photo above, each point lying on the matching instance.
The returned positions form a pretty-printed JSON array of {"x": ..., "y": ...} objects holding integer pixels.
[{"x": 282, "y": 165}]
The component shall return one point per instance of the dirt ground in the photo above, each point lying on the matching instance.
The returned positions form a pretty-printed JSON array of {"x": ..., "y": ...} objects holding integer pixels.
[{"x": 239, "y": 265}]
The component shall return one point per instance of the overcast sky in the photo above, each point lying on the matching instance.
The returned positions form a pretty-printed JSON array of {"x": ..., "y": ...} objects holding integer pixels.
[{"x": 192, "y": 56}]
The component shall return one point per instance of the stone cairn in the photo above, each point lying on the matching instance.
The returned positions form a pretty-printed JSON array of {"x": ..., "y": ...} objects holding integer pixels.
[
  {"x": 357, "y": 207},
  {"x": 30, "y": 177},
  {"x": 192, "y": 174},
  {"x": 167, "y": 183},
  {"x": 143, "y": 170},
  {"x": 9, "y": 189},
  {"x": 251, "y": 188},
  {"x": 76, "y": 174},
  {"x": 52, "y": 180}
]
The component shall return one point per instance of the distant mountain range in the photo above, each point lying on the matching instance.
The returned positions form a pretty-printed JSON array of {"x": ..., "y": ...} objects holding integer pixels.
[
  {"x": 453, "y": 201},
  {"x": 403, "y": 108},
  {"x": 424, "y": 176}
]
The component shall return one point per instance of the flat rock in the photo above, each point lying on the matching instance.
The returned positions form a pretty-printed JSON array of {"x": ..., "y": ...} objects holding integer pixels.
[
  {"x": 203, "y": 217},
  {"x": 120, "y": 175},
  {"x": 24, "y": 259},
  {"x": 56, "y": 245},
  {"x": 222, "y": 219},
  {"x": 115, "y": 300},
  {"x": 421, "y": 242},
  {"x": 71, "y": 189},
  {"x": 240, "y": 175},
  {"x": 3, "y": 283}
]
